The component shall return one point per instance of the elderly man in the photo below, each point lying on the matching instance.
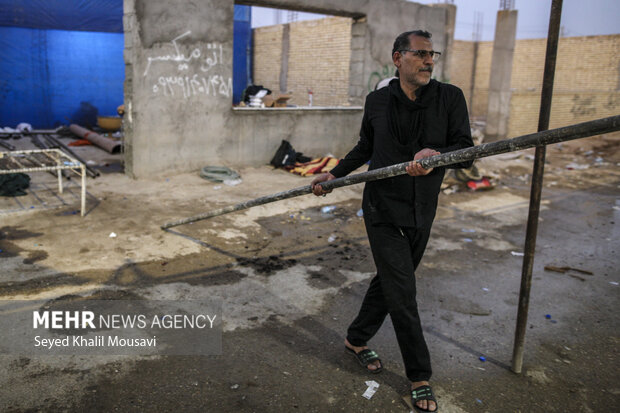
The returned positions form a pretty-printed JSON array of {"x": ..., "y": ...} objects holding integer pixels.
[{"x": 414, "y": 117}]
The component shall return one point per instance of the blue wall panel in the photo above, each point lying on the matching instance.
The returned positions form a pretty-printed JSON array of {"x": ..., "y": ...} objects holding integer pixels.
[
  {"x": 53, "y": 77},
  {"x": 87, "y": 15},
  {"x": 62, "y": 60},
  {"x": 242, "y": 51}
]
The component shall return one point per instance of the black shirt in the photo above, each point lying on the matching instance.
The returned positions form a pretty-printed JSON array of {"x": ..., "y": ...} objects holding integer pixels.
[{"x": 394, "y": 128}]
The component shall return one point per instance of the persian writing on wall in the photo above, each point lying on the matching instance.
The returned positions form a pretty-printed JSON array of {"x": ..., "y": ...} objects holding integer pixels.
[{"x": 192, "y": 74}]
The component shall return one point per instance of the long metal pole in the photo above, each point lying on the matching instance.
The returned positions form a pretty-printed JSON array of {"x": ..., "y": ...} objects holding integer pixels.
[
  {"x": 91, "y": 172},
  {"x": 567, "y": 133},
  {"x": 536, "y": 189}
]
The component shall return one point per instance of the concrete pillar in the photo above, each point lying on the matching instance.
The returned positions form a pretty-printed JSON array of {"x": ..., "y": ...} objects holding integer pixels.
[
  {"x": 446, "y": 48},
  {"x": 286, "y": 40},
  {"x": 498, "y": 109},
  {"x": 359, "y": 35}
]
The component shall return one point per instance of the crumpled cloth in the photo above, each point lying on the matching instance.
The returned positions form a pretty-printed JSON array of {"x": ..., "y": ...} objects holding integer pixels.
[{"x": 315, "y": 166}]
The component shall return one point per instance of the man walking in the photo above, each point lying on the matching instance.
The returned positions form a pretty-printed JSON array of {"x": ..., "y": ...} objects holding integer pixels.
[{"x": 414, "y": 117}]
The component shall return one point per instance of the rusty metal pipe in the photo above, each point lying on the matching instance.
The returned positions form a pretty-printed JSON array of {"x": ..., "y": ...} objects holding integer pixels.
[{"x": 107, "y": 144}]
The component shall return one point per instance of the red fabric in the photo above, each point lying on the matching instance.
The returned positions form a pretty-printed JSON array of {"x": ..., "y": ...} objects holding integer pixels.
[{"x": 80, "y": 142}]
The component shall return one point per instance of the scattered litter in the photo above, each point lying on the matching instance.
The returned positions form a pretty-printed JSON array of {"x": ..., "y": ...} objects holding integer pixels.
[
  {"x": 564, "y": 269},
  {"x": 613, "y": 283},
  {"x": 588, "y": 153},
  {"x": 112, "y": 235},
  {"x": 216, "y": 187},
  {"x": 575, "y": 166},
  {"x": 371, "y": 390},
  {"x": 482, "y": 358},
  {"x": 616, "y": 207},
  {"x": 468, "y": 230},
  {"x": 232, "y": 182},
  {"x": 598, "y": 160},
  {"x": 234, "y": 386},
  {"x": 548, "y": 316},
  {"x": 286, "y": 373},
  {"x": 478, "y": 401},
  {"x": 561, "y": 269},
  {"x": 517, "y": 254},
  {"x": 449, "y": 190},
  {"x": 468, "y": 240},
  {"x": 328, "y": 209},
  {"x": 554, "y": 321},
  {"x": 91, "y": 162},
  {"x": 481, "y": 368},
  {"x": 332, "y": 238},
  {"x": 360, "y": 213},
  {"x": 24, "y": 127},
  {"x": 485, "y": 289},
  {"x": 479, "y": 184}
]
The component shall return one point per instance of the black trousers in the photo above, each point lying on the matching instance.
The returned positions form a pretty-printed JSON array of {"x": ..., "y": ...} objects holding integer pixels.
[{"x": 397, "y": 253}]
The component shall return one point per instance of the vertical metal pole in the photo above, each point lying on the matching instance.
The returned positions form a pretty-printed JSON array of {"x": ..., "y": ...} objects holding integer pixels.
[
  {"x": 83, "y": 191},
  {"x": 537, "y": 179},
  {"x": 59, "y": 181}
]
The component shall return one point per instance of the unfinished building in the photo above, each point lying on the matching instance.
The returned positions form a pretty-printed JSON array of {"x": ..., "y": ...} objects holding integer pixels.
[{"x": 178, "y": 83}]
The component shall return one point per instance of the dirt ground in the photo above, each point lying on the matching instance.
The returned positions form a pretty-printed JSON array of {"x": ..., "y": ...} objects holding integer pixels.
[{"x": 292, "y": 277}]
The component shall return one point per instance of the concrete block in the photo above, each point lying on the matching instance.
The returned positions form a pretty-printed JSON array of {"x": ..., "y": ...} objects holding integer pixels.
[{"x": 358, "y": 29}]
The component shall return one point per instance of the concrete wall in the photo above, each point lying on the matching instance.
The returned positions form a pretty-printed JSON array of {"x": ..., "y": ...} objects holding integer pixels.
[
  {"x": 319, "y": 60},
  {"x": 178, "y": 95},
  {"x": 586, "y": 84},
  {"x": 583, "y": 90}
]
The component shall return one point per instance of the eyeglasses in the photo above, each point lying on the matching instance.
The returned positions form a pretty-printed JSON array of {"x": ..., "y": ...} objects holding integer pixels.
[{"x": 423, "y": 53}]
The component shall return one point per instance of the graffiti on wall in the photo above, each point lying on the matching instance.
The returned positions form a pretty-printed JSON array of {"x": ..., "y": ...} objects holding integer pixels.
[
  {"x": 185, "y": 82},
  {"x": 583, "y": 106},
  {"x": 378, "y": 75}
]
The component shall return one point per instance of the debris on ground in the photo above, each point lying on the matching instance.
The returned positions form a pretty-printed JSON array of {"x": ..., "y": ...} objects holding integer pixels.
[
  {"x": 565, "y": 269},
  {"x": 295, "y": 162},
  {"x": 219, "y": 174},
  {"x": 471, "y": 178},
  {"x": 232, "y": 182},
  {"x": 575, "y": 166},
  {"x": 371, "y": 390}
]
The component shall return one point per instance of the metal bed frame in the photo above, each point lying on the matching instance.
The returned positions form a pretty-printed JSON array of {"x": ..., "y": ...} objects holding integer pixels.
[{"x": 41, "y": 160}]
